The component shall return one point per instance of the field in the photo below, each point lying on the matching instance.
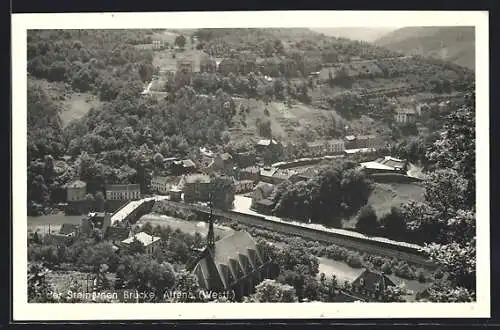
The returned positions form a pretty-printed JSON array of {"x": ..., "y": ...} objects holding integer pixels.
[
  {"x": 384, "y": 196},
  {"x": 76, "y": 105}
]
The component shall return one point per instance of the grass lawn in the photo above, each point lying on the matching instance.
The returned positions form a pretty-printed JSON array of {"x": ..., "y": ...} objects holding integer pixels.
[{"x": 76, "y": 105}]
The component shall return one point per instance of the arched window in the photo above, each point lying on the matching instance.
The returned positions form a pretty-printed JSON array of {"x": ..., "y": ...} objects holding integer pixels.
[{"x": 362, "y": 281}]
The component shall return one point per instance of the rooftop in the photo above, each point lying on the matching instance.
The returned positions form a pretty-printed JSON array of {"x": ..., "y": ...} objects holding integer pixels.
[
  {"x": 197, "y": 178},
  {"x": 408, "y": 111},
  {"x": 372, "y": 279},
  {"x": 122, "y": 187},
  {"x": 76, "y": 184},
  {"x": 266, "y": 142},
  {"x": 142, "y": 237},
  {"x": 68, "y": 228}
]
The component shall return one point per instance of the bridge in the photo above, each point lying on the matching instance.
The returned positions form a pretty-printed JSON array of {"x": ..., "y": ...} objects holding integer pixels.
[{"x": 134, "y": 209}]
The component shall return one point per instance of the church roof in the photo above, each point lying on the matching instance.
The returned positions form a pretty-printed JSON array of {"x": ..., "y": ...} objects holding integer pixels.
[{"x": 232, "y": 256}]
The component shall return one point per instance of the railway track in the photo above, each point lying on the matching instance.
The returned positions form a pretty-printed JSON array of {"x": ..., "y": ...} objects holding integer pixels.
[{"x": 401, "y": 252}]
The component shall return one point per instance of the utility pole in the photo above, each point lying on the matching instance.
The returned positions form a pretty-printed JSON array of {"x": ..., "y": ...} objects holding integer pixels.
[{"x": 211, "y": 234}]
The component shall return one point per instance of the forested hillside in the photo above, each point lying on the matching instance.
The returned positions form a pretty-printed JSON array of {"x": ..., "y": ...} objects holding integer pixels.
[{"x": 455, "y": 44}]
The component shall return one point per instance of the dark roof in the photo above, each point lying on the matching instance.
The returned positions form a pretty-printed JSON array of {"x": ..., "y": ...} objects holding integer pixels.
[
  {"x": 372, "y": 278},
  {"x": 68, "y": 228},
  {"x": 232, "y": 255},
  {"x": 117, "y": 233},
  {"x": 122, "y": 187}
]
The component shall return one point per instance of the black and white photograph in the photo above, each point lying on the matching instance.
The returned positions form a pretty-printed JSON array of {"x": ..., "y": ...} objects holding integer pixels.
[{"x": 326, "y": 162}]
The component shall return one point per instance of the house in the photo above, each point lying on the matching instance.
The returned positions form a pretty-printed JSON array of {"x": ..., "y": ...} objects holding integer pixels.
[
  {"x": 249, "y": 173},
  {"x": 233, "y": 263},
  {"x": 68, "y": 229},
  {"x": 264, "y": 206},
  {"x": 76, "y": 191},
  {"x": 196, "y": 187},
  {"x": 244, "y": 159},
  {"x": 405, "y": 115},
  {"x": 123, "y": 191},
  {"x": 335, "y": 146},
  {"x": 316, "y": 148},
  {"x": 387, "y": 164},
  {"x": 368, "y": 141},
  {"x": 116, "y": 235},
  {"x": 175, "y": 194},
  {"x": 160, "y": 184},
  {"x": 185, "y": 65},
  {"x": 95, "y": 220},
  {"x": 243, "y": 186},
  {"x": 267, "y": 173},
  {"x": 350, "y": 142},
  {"x": 371, "y": 285},
  {"x": 265, "y": 144},
  {"x": 151, "y": 243},
  {"x": 207, "y": 64},
  {"x": 184, "y": 166}
]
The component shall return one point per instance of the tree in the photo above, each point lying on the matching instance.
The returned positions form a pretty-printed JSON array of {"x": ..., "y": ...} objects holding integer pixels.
[
  {"x": 367, "y": 220},
  {"x": 394, "y": 224},
  {"x": 39, "y": 290},
  {"x": 158, "y": 160},
  {"x": 99, "y": 258},
  {"x": 445, "y": 190},
  {"x": 459, "y": 260},
  {"x": 186, "y": 283},
  {"x": 223, "y": 191},
  {"x": 272, "y": 291},
  {"x": 456, "y": 147},
  {"x": 136, "y": 247},
  {"x": 143, "y": 273},
  {"x": 180, "y": 41}
]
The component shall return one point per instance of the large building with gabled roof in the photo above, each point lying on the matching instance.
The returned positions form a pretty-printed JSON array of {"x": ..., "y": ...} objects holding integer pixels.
[{"x": 233, "y": 263}]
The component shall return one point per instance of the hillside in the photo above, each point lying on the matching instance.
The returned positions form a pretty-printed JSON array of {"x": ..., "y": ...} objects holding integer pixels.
[
  {"x": 356, "y": 33},
  {"x": 455, "y": 44}
]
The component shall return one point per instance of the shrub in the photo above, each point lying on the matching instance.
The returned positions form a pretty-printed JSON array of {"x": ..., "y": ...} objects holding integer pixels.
[
  {"x": 367, "y": 220},
  {"x": 354, "y": 260},
  {"x": 404, "y": 270}
]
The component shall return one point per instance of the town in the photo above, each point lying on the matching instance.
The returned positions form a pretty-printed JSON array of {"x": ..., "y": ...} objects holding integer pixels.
[{"x": 225, "y": 165}]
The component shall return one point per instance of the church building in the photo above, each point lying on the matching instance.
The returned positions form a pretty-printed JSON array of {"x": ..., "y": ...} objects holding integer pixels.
[{"x": 232, "y": 263}]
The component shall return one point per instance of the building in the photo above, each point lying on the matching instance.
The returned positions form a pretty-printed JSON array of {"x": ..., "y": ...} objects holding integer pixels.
[
  {"x": 335, "y": 146},
  {"x": 160, "y": 184},
  {"x": 350, "y": 142},
  {"x": 249, "y": 173},
  {"x": 123, "y": 192},
  {"x": 185, "y": 65},
  {"x": 68, "y": 229},
  {"x": 207, "y": 64},
  {"x": 316, "y": 148},
  {"x": 387, "y": 164},
  {"x": 95, "y": 220},
  {"x": 368, "y": 141},
  {"x": 243, "y": 186},
  {"x": 265, "y": 144},
  {"x": 151, "y": 243},
  {"x": 196, "y": 187},
  {"x": 175, "y": 194},
  {"x": 261, "y": 198},
  {"x": 267, "y": 175},
  {"x": 233, "y": 263},
  {"x": 184, "y": 166},
  {"x": 76, "y": 191},
  {"x": 371, "y": 285},
  {"x": 405, "y": 115},
  {"x": 244, "y": 159}
]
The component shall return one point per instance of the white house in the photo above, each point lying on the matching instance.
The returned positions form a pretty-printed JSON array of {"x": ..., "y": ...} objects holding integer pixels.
[{"x": 151, "y": 243}]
